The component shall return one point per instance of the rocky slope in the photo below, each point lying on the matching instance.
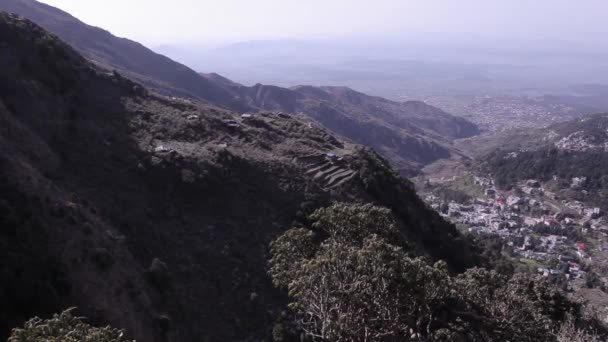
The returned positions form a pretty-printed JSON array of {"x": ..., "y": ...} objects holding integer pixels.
[
  {"x": 155, "y": 214},
  {"x": 410, "y": 134}
]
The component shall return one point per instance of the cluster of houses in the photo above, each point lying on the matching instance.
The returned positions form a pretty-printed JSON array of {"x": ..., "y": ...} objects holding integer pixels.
[{"x": 536, "y": 225}]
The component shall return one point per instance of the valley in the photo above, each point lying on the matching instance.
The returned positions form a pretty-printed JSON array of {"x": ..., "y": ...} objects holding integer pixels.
[{"x": 499, "y": 113}]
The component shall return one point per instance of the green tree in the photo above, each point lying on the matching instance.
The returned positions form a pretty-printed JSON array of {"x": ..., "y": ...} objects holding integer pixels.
[
  {"x": 350, "y": 278},
  {"x": 359, "y": 283},
  {"x": 352, "y": 223},
  {"x": 288, "y": 251}
]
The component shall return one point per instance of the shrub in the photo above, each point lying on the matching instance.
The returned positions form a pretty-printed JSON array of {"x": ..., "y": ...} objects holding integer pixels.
[{"x": 63, "y": 327}]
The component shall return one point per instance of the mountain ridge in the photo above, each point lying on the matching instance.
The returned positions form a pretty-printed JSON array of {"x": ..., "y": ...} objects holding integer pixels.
[
  {"x": 154, "y": 214},
  {"x": 128, "y": 57},
  {"x": 413, "y": 134}
]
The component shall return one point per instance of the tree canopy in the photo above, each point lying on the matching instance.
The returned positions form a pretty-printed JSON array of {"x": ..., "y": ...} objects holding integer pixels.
[{"x": 350, "y": 277}]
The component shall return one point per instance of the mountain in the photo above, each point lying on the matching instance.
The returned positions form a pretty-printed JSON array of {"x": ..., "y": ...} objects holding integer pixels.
[
  {"x": 410, "y": 134},
  {"x": 126, "y": 56},
  {"x": 155, "y": 214}
]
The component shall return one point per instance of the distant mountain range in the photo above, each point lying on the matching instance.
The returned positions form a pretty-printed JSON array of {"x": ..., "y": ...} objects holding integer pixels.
[{"x": 411, "y": 134}]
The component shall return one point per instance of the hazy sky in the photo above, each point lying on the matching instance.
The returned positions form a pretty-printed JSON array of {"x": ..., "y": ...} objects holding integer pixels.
[{"x": 167, "y": 21}]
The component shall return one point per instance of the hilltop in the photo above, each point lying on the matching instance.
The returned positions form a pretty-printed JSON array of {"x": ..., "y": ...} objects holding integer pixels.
[{"x": 155, "y": 213}]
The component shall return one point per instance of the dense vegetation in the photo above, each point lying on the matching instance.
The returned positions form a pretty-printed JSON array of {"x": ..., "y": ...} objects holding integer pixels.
[
  {"x": 63, "y": 327},
  {"x": 423, "y": 228},
  {"x": 544, "y": 164},
  {"x": 351, "y": 277}
]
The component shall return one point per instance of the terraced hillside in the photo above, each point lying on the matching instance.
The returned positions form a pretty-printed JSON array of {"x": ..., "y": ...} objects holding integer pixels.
[{"x": 329, "y": 170}]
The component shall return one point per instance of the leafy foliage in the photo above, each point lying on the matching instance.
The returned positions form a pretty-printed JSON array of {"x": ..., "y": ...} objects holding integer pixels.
[
  {"x": 63, "y": 327},
  {"x": 359, "y": 283},
  {"x": 288, "y": 250},
  {"x": 350, "y": 224}
]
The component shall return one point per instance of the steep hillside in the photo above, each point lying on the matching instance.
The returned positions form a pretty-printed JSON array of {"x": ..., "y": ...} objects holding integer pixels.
[
  {"x": 413, "y": 115},
  {"x": 410, "y": 134},
  {"x": 128, "y": 57},
  {"x": 155, "y": 215}
]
